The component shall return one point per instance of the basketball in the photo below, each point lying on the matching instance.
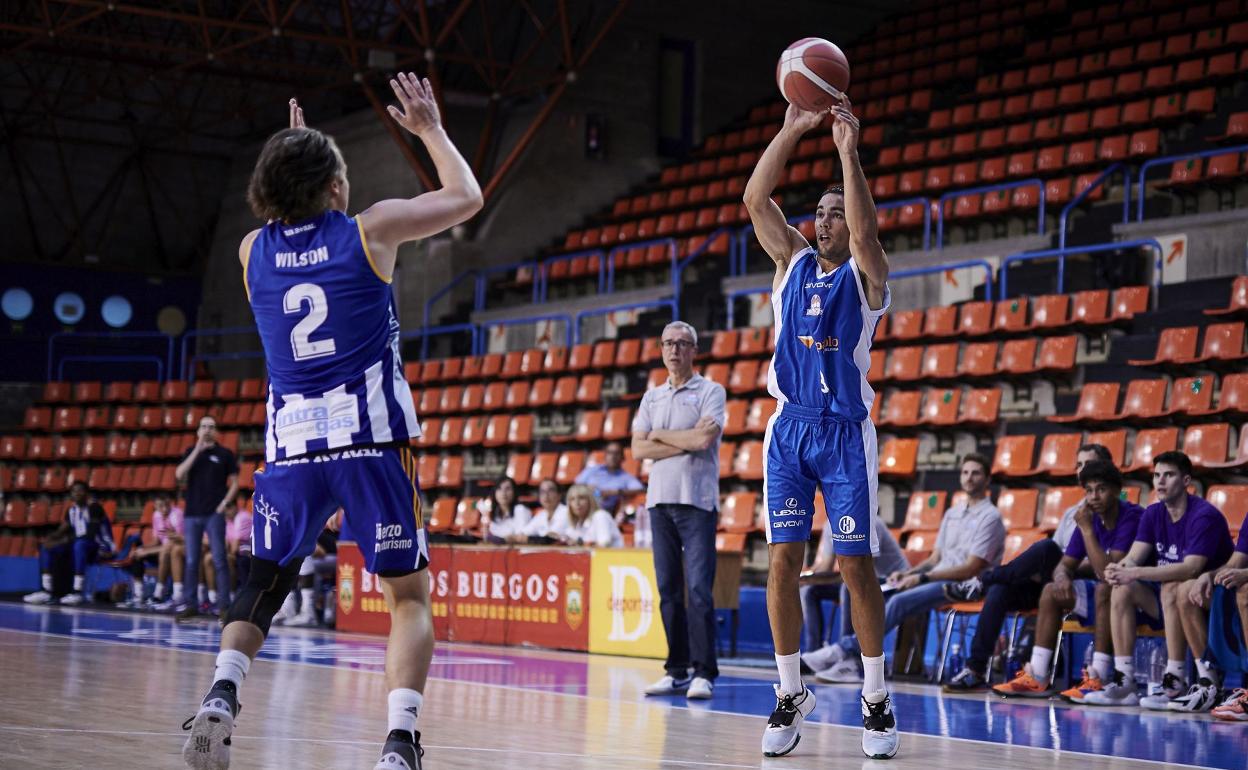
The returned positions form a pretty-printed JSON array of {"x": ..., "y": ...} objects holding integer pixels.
[{"x": 812, "y": 74}]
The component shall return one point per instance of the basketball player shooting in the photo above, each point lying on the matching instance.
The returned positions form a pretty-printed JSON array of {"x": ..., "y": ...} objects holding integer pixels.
[
  {"x": 827, "y": 300},
  {"x": 340, "y": 414}
]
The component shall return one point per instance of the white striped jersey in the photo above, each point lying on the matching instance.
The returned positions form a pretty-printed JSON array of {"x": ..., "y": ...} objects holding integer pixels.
[{"x": 330, "y": 333}]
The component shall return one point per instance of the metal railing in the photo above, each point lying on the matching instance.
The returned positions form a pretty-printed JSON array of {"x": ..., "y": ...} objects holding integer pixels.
[
  {"x": 160, "y": 365},
  {"x": 1152, "y": 163},
  {"x": 188, "y": 370},
  {"x": 581, "y": 316},
  {"x": 667, "y": 241},
  {"x": 1061, "y": 254},
  {"x": 76, "y": 336},
  {"x": 932, "y": 269},
  {"x": 678, "y": 269},
  {"x": 1083, "y": 194},
  {"x": 487, "y": 325},
  {"x": 543, "y": 270},
  {"x": 954, "y": 194},
  {"x": 425, "y": 332}
]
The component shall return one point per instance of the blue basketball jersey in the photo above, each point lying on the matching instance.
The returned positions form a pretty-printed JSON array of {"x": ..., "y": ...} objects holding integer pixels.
[
  {"x": 331, "y": 339},
  {"x": 823, "y": 330}
]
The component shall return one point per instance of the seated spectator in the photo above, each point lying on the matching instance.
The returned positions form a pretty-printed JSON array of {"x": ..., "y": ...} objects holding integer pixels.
[
  {"x": 1185, "y": 537},
  {"x": 550, "y": 507},
  {"x": 971, "y": 538},
  {"x": 503, "y": 519},
  {"x": 85, "y": 536},
  {"x": 238, "y": 545},
  {"x": 1017, "y": 587},
  {"x": 582, "y": 525},
  {"x": 1225, "y": 592},
  {"x": 1106, "y": 529},
  {"x": 610, "y": 479},
  {"x": 166, "y": 525},
  {"x": 819, "y": 586}
]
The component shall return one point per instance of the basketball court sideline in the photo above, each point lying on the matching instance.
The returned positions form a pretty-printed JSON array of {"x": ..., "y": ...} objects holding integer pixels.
[{"x": 99, "y": 689}]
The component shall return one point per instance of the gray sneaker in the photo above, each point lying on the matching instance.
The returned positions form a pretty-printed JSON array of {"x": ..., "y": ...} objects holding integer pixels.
[
  {"x": 668, "y": 685},
  {"x": 208, "y": 746},
  {"x": 784, "y": 726},
  {"x": 1118, "y": 692}
]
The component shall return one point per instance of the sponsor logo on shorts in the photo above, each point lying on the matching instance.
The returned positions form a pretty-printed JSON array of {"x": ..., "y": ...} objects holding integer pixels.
[
  {"x": 271, "y": 519},
  {"x": 390, "y": 537},
  {"x": 828, "y": 344},
  {"x": 846, "y": 525},
  {"x": 789, "y": 516}
]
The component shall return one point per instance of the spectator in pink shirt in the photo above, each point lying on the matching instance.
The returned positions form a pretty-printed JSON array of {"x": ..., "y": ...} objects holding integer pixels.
[
  {"x": 238, "y": 543},
  {"x": 157, "y": 551}
]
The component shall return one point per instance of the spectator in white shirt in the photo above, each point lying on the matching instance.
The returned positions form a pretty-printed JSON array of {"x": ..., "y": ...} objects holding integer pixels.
[
  {"x": 582, "y": 525},
  {"x": 550, "y": 507},
  {"x": 505, "y": 519}
]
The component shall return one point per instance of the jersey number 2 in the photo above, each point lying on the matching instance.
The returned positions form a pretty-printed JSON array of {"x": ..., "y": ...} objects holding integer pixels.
[{"x": 318, "y": 311}]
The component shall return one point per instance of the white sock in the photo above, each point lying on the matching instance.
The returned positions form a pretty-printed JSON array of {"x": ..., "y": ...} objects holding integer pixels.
[
  {"x": 404, "y": 706},
  {"x": 79, "y": 582},
  {"x": 47, "y": 582},
  {"x": 1175, "y": 667},
  {"x": 137, "y": 586},
  {"x": 1041, "y": 657},
  {"x": 160, "y": 592},
  {"x": 212, "y": 596},
  {"x": 1204, "y": 669},
  {"x": 1126, "y": 666},
  {"x": 873, "y": 678},
  {"x": 1103, "y": 665},
  {"x": 306, "y": 595},
  {"x": 177, "y": 592},
  {"x": 790, "y": 667},
  {"x": 232, "y": 666}
]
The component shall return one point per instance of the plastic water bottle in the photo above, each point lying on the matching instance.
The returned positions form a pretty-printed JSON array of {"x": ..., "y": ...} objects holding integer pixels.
[
  {"x": 1156, "y": 666},
  {"x": 1087, "y": 658},
  {"x": 955, "y": 659},
  {"x": 1013, "y": 661}
]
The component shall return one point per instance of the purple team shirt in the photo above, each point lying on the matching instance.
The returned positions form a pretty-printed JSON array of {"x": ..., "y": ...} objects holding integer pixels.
[
  {"x": 1242, "y": 544},
  {"x": 1119, "y": 538},
  {"x": 1203, "y": 531}
]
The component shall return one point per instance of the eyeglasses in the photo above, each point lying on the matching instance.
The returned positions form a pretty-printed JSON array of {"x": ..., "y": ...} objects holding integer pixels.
[{"x": 677, "y": 344}]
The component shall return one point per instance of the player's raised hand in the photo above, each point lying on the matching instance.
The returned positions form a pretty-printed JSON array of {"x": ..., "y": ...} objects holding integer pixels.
[
  {"x": 419, "y": 112},
  {"x": 844, "y": 126},
  {"x": 296, "y": 115},
  {"x": 802, "y": 121}
]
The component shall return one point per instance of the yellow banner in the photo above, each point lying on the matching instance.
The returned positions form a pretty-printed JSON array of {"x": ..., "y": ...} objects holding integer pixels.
[{"x": 624, "y": 604}]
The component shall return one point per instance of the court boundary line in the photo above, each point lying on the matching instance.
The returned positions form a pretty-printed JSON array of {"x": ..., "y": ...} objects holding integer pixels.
[{"x": 517, "y": 688}]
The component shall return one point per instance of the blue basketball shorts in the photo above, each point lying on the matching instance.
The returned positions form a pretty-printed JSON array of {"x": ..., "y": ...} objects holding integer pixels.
[
  {"x": 804, "y": 448},
  {"x": 1085, "y": 604},
  {"x": 375, "y": 486}
]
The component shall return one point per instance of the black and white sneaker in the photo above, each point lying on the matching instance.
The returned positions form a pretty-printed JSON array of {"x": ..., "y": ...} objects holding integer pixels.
[
  {"x": 784, "y": 726},
  {"x": 401, "y": 752},
  {"x": 208, "y": 746},
  {"x": 879, "y": 730},
  {"x": 967, "y": 680},
  {"x": 1200, "y": 697},
  {"x": 969, "y": 590}
]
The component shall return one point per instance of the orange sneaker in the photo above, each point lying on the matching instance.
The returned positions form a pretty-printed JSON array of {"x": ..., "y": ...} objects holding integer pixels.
[
  {"x": 1091, "y": 683},
  {"x": 1234, "y": 708},
  {"x": 1022, "y": 686}
]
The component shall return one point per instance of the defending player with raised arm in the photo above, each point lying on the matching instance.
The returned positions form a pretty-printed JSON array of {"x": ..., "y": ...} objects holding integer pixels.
[
  {"x": 845, "y": 221},
  {"x": 340, "y": 416},
  {"x": 826, "y": 302}
]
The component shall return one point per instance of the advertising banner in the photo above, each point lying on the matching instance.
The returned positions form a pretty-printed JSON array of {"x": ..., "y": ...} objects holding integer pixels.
[
  {"x": 624, "y": 604},
  {"x": 485, "y": 594}
]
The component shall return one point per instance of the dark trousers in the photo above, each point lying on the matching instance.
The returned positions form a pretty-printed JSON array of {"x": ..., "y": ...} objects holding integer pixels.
[
  {"x": 82, "y": 552},
  {"x": 1013, "y": 587},
  {"x": 684, "y": 558}
]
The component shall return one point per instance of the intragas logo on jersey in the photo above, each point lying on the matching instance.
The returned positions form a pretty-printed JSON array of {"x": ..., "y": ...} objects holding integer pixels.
[{"x": 826, "y": 345}]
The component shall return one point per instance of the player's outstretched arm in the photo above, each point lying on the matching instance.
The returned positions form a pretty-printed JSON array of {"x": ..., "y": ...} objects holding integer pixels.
[
  {"x": 777, "y": 238},
  {"x": 864, "y": 230},
  {"x": 390, "y": 223}
]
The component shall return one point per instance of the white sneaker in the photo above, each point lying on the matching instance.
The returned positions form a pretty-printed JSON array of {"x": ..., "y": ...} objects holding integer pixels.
[
  {"x": 700, "y": 689},
  {"x": 168, "y": 605},
  {"x": 303, "y": 620},
  {"x": 824, "y": 658},
  {"x": 879, "y": 729},
  {"x": 1118, "y": 692},
  {"x": 208, "y": 746},
  {"x": 73, "y": 599},
  {"x": 1199, "y": 698},
  {"x": 784, "y": 726},
  {"x": 844, "y": 672},
  {"x": 1155, "y": 702},
  {"x": 38, "y": 597},
  {"x": 1171, "y": 687},
  {"x": 668, "y": 685},
  {"x": 283, "y": 616}
]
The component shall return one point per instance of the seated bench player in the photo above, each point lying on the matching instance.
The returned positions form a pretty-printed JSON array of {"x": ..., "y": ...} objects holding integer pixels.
[
  {"x": 1225, "y": 594},
  {"x": 1106, "y": 528},
  {"x": 1184, "y": 536},
  {"x": 84, "y": 536}
]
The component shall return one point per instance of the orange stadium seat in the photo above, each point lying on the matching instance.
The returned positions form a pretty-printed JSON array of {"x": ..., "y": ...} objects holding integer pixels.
[
  {"x": 904, "y": 364},
  {"x": 734, "y": 416},
  {"x": 940, "y": 406},
  {"x": 1097, "y": 403},
  {"x": 1207, "y": 444},
  {"x": 1013, "y": 456},
  {"x": 1018, "y": 507},
  {"x": 1191, "y": 395},
  {"x": 1144, "y": 401},
  {"x": 727, "y": 457},
  {"x": 495, "y": 396},
  {"x": 743, "y": 377},
  {"x": 901, "y": 408},
  {"x": 1223, "y": 342},
  {"x": 979, "y": 359},
  {"x": 899, "y": 457},
  {"x": 1019, "y": 356},
  {"x": 590, "y": 389},
  {"x": 519, "y": 466},
  {"x": 618, "y": 424},
  {"x": 1176, "y": 344},
  {"x": 442, "y": 518},
  {"x": 1232, "y": 500},
  {"x": 1150, "y": 443},
  {"x": 1056, "y": 502},
  {"x": 1113, "y": 440},
  {"x": 761, "y": 410},
  {"x": 474, "y": 431},
  {"x": 940, "y": 321},
  {"x": 940, "y": 361},
  {"x": 737, "y": 513},
  {"x": 571, "y": 463},
  {"x": 520, "y": 432},
  {"x": 451, "y": 471},
  {"x": 1239, "y": 289},
  {"x": 924, "y": 511},
  {"x": 1128, "y": 301},
  {"x": 748, "y": 463}
]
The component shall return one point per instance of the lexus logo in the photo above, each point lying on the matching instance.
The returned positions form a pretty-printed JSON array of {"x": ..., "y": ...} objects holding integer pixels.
[{"x": 791, "y": 502}]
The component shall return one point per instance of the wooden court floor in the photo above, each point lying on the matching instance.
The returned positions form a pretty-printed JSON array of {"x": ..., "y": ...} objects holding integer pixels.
[{"x": 101, "y": 690}]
